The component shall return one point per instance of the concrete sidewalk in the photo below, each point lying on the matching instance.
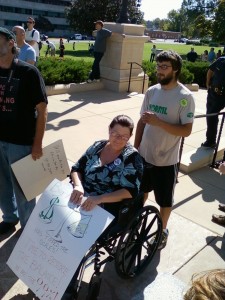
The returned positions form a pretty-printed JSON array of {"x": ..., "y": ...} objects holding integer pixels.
[{"x": 195, "y": 243}]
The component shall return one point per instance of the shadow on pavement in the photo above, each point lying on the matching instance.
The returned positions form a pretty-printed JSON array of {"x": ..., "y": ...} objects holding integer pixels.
[{"x": 5, "y": 271}]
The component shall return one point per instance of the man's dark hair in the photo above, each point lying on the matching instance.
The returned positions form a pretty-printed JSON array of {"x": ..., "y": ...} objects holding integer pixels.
[
  {"x": 124, "y": 121},
  {"x": 173, "y": 57}
]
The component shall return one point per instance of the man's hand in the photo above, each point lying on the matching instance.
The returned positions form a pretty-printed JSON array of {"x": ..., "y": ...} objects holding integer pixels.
[
  {"x": 150, "y": 118},
  {"x": 36, "y": 152}
]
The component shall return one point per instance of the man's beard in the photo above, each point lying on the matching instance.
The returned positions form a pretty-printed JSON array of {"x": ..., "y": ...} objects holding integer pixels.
[{"x": 165, "y": 80}]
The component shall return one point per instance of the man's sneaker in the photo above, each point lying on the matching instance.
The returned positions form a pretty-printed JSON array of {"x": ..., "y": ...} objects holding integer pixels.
[
  {"x": 96, "y": 80},
  {"x": 163, "y": 241},
  {"x": 89, "y": 81},
  {"x": 207, "y": 144},
  {"x": 6, "y": 228}
]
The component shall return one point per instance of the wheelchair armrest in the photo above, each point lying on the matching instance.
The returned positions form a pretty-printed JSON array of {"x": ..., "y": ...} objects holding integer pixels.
[{"x": 128, "y": 209}]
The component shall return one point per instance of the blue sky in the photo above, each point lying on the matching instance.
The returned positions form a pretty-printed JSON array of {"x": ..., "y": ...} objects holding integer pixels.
[{"x": 158, "y": 9}]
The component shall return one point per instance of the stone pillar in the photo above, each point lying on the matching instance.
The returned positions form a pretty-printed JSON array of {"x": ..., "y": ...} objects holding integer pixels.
[{"x": 115, "y": 67}]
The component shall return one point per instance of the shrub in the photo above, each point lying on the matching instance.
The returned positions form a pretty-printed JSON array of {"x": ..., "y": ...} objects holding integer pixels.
[
  {"x": 199, "y": 70},
  {"x": 185, "y": 77},
  {"x": 56, "y": 71}
]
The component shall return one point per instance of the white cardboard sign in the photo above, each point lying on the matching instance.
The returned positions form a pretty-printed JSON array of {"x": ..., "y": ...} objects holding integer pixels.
[
  {"x": 35, "y": 176},
  {"x": 54, "y": 241}
]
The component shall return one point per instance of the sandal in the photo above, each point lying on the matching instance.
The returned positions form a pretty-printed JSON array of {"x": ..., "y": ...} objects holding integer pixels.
[
  {"x": 222, "y": 207},
  {"x": 220, "y": 220}
]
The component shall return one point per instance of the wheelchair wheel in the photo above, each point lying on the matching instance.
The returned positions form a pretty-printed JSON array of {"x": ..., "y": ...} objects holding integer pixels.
[
  {"x": 134, "y": 251},
  {"x": 94, "y": 287}
]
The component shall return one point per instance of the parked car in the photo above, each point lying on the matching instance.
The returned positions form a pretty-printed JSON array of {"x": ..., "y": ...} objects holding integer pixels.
[
  {"x": 43, "y": 37},
  {"x": 76, "y": 36},
  {"x": 183, "y": 40},
  {"x": 84, "y": 37}
]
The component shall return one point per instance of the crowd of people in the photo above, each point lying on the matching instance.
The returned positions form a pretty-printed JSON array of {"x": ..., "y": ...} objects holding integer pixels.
[{"x": 111, "y": 169}]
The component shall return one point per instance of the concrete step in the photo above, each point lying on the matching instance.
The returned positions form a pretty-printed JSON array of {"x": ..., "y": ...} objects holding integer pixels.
[{"x": 200, "y": 157}]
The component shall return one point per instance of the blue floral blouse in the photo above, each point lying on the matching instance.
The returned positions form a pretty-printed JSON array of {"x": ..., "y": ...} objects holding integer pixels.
[{"x": 124, "y": 172}]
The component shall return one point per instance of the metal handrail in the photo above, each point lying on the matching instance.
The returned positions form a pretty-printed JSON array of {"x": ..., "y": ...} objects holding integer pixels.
[
  {"x": 131, "y": 66},
  {"x": 217, "y": 141}
]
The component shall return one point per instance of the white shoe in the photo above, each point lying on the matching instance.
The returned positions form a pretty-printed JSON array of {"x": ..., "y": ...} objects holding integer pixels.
[
  {"x": 96, "y": 80},
  {"x": 89, "y": 81}
]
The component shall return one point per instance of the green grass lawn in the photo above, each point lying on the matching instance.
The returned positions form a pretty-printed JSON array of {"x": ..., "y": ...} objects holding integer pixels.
[{"x": 81, "y": 50}]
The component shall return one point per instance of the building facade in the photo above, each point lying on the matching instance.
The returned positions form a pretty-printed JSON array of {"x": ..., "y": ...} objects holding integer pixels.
[
  {"x": 16, "y": 12},
  {"x": 161, "y": 34}
]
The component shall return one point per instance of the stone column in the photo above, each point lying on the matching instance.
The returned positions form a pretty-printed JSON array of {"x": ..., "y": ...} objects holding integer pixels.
[{"x": 115, "y": 67}]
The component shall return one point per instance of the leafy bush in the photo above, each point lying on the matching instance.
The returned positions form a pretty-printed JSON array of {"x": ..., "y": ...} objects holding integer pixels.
[
  {"x": 56, "y": 71},
  {"x": 199, "y": 70},
  {"x": 185, "y": 77}
]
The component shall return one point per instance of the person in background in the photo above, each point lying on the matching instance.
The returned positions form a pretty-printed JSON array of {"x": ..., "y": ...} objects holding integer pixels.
[
  {"x": 219, "y": 53},
  {"x": 153, "y": 53},
  {"x": 167, "y": 114},
  {"x": 61, "y": 50},
  {"x": 192, "y": 55},
  {"x": 26, "y": 52},
  {"x": 99, "y": 49},
  {"x": 22, "y": 123},
  {"x": 51, "y": 48},
  {"x": 211, "y": 55},
  {"x": 32, "y": 36},
  {"x": 209, "y": 285},
  {"x": 215, "y": 84},
  {"x": 204, "y": 56}
]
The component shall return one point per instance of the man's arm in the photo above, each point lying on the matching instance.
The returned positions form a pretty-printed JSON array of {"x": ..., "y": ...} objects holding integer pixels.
[
  {"x": 139, "y": 133},
  {"x": 40, "y": 129},
  {"x": 183, "y": 130},
  {"x": 208, "y": 78}
]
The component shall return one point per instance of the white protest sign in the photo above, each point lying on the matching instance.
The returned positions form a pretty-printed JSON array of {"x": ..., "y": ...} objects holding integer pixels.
[
  {"x": 54, "y": 241},
  {"x": 35, "y": 175}
]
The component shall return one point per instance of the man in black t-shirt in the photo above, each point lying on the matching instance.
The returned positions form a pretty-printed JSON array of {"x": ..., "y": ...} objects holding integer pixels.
[
  {"x": 192, "y": 55},
  {"x": 23, "y": 114}
]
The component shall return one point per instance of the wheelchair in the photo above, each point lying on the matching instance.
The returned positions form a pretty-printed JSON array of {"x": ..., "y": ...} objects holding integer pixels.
[{"x": 126, "y": 241}]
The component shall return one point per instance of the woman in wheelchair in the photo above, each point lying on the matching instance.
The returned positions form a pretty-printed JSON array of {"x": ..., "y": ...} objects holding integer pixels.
[{"x": 109, "y": 171}]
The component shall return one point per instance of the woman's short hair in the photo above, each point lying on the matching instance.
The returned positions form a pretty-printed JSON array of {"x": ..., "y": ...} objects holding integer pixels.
[
  {"x": 124, "y": 121},
  {"x": 208, "y": 285},
  {"x": 173, "y": 57}
]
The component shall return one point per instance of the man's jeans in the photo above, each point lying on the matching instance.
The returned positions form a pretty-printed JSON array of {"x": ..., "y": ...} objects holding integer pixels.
[
  {"x": 95, "y": 73},
  {"x": 13, "y": 202}
]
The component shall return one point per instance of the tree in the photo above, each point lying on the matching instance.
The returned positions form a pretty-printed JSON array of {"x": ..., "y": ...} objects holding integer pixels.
[
  {"x": 83, "y": 13},
  {"x": 218, "y": 28}
]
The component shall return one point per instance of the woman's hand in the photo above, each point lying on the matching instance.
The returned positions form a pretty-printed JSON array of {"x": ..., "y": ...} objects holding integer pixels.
[
  {"x": 77, "y": 194},
  {"x": 90, "y": 203}
]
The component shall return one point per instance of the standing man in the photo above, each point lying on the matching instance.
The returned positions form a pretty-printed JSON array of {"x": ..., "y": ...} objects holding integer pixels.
[
  {"x": 99, "y": 49},
  {"x": 23, "y": 114},
  {"x": 192, "y": 55},
  {"x": 33, "y": 36},
  {"x": 211, "y": 55},
  {"x": 166, "y": 115},
  {"x": 26, "y": 52},
  {"x": 153, "y": 53},
  {"x": 215, "y": 83}
]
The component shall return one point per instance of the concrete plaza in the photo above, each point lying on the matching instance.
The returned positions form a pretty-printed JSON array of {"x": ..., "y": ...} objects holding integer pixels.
[{"x": 195, "y": 243}]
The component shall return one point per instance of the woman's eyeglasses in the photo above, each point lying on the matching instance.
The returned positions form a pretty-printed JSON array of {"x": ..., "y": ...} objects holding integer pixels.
[{"x": 119, "y": 136}]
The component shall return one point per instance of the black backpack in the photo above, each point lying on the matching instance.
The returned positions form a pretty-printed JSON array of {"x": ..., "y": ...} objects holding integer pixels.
[{"x": 40, "y": 42}]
